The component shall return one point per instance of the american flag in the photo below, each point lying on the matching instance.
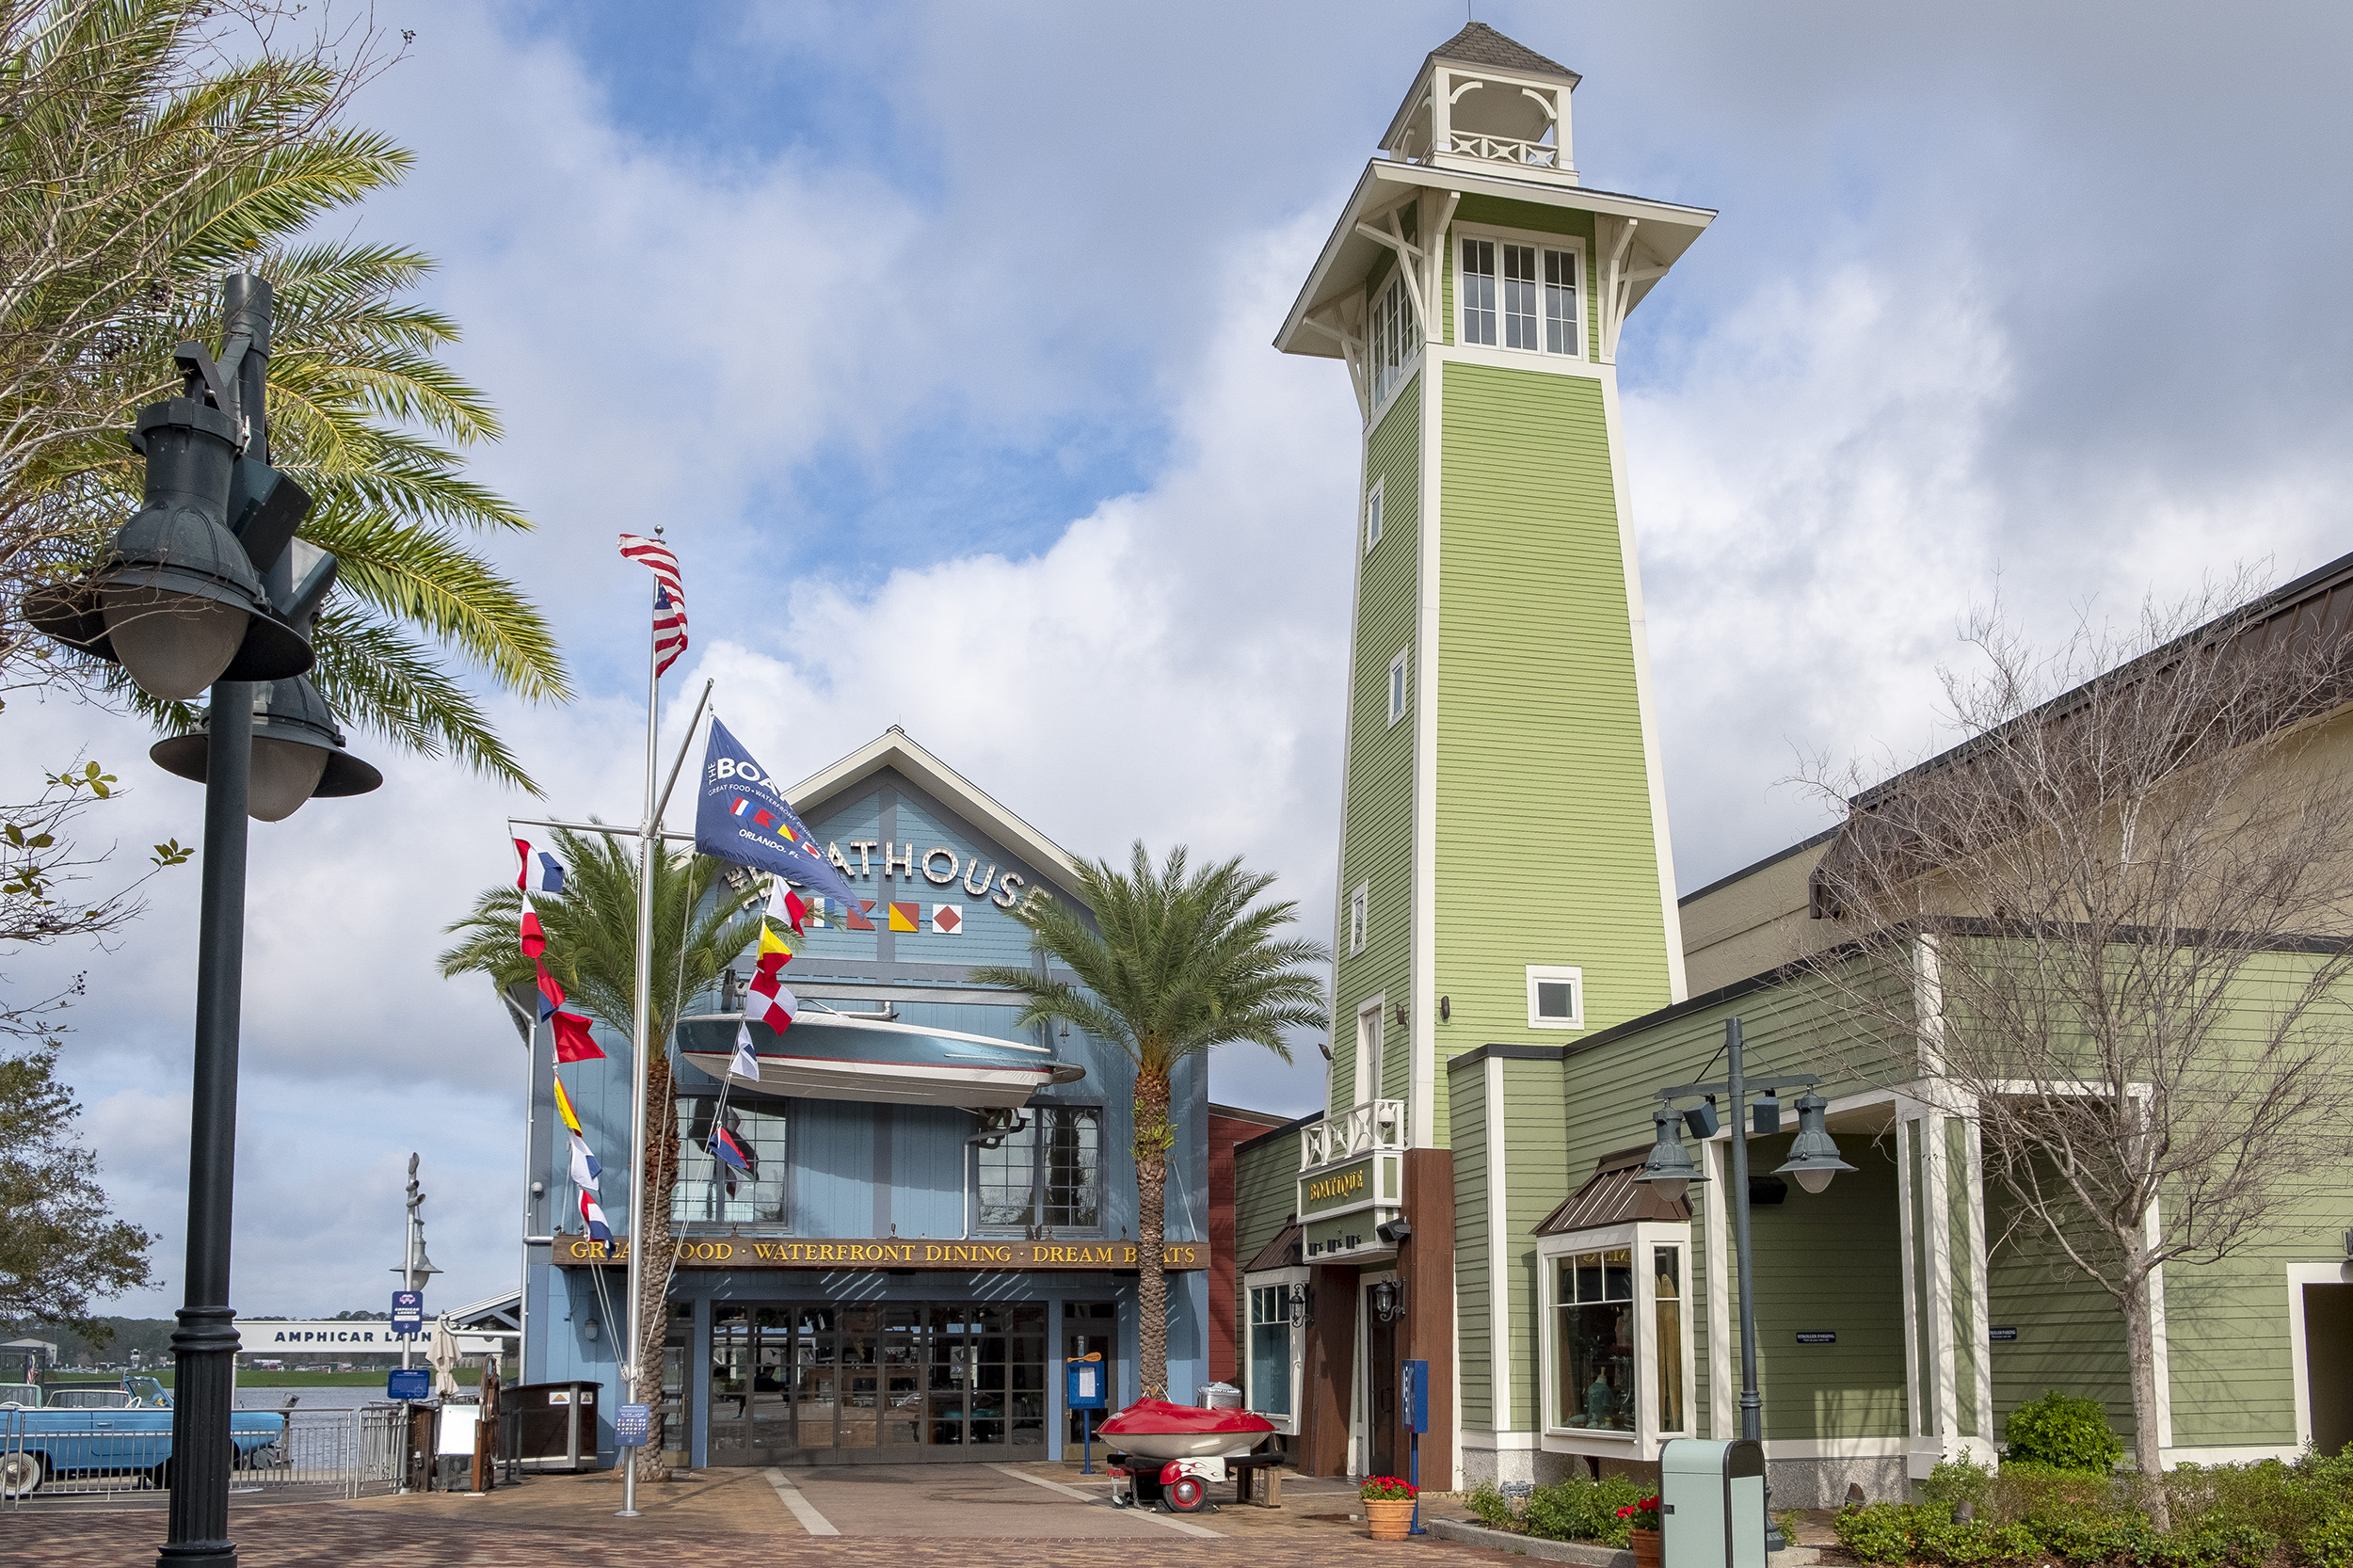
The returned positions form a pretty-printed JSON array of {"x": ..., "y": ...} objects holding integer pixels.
[{"x": 669, "y": 597}]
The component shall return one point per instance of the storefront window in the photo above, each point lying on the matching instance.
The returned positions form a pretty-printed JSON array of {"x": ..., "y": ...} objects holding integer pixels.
[
  {"x": 713, "y": 1192},
  {"x": 1668, "y": 1265},
  {"x": 1593, "y": 1349},
  {"x": 1271, "y": 1351},
  {"x": 1047, "y": 1175}
]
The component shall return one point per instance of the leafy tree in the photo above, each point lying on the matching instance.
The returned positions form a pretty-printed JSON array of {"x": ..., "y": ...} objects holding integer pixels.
[
  {"x": 1170, "y": 964},
  {"x": 591, "y": 929},
  {"x": 59, "y": 1247}
]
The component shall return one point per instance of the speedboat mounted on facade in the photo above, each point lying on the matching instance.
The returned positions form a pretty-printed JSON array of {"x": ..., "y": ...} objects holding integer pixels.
[{"x": 842, "y": 1056}]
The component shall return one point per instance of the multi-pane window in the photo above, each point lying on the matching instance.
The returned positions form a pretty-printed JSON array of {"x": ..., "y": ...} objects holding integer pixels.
[
  {"x": 712, "y": 1192},
  {"x": 1271, "y": 1351},
  {"x": 1593, "y": 1295},
  {"x": 1047, "y": 1175},
  {"x": 1477, "y": 285},
  {"x": 1520, "y": 297},
  {"x": 1392, "y": 337},
  {"x": 1565, "y": 328}
]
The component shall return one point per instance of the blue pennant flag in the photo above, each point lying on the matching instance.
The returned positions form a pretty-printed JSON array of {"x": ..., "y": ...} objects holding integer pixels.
[{"x": 743, "y": 818}]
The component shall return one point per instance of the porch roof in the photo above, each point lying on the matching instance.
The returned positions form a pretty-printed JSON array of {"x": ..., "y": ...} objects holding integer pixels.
[
  {"x": 1284, "y": 1252},
  {"x": 1611, "y": 1196}
]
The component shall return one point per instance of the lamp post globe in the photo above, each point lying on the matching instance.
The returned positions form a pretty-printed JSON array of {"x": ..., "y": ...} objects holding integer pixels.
[
  {"x": 1813, "y": 1153},
  {"x": 1669, "y": 1171},
  {"x": 297, "y": 753}
]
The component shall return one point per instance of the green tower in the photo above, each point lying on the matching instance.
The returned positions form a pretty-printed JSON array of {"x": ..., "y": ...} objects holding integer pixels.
[{"x": 1505, "y": 876}]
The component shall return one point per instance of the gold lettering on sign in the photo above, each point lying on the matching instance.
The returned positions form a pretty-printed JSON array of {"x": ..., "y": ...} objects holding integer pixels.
[
  {"x": 1337, "y": 1186},
  {"x": 887, "y": 1252}
]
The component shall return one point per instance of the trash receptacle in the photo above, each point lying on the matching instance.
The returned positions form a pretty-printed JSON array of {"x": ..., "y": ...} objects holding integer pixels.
[
  {"x": 1711, "y": 1503},
  {"x": 555, "y": 1425}
]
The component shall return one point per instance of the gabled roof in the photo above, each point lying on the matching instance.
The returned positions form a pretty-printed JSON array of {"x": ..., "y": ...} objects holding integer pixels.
[
  {"x": 1480, "y": 44},
  {"x": 896, "y": 750},
  {"x": 1611, "y": 1196}
]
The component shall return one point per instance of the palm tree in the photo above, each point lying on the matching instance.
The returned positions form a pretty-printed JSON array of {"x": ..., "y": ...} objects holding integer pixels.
[
  {"x": 147, "y": 147},
  {"x": 591, "y": 929},
  {"x": 1170, "y": 965}
]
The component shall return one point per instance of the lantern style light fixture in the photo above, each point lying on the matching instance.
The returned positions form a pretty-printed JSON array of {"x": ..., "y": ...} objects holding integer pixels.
[
  {"x": 1387, "y": 1304},
  {"x": 1668, "y": 1170},
  {"x": 1813, "y": 1153}
]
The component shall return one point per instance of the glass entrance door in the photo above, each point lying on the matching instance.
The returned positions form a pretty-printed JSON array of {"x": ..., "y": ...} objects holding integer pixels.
[{"x": 849, "y": 1383}]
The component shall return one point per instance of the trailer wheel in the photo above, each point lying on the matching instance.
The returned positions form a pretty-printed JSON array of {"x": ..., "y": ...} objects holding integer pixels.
[
  {"x": 20, "y": 1474},
  {"x": 1186, "y": 1495}
]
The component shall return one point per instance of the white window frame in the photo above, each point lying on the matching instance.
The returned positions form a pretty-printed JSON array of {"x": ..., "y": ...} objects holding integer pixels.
[
  {"x": 1268, "y": 1279},
  {"x": 1372, "y": 1045},
  {"x": 1372, "y": 513},
  {"x": 1576, "y": 977},
  {"x": 1393, "y": 338},
  {"x": 1647, "y": 1435},
  {"x": 1566, "y": 244},
  {"x": 1400, "y": 684},
  {"x": 1359, "y": 917}
]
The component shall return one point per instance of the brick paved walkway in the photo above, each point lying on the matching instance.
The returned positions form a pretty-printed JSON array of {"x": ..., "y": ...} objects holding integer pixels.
[{"x": 948, "y": 1516}]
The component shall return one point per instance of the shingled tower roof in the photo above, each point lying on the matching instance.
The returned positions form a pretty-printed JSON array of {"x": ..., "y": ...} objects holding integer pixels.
[{"x": 1480, "y": 44}]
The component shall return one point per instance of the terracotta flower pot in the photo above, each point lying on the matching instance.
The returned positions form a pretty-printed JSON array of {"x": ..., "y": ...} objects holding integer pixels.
[
  {"x": 1646, "y": 1549},
  {"x": 1391, "y": 1518}
]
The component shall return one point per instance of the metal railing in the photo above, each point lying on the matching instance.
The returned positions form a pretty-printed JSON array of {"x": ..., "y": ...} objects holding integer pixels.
[
  {"x": 1362, "y": 1128},
  {"x": 63, "y": 1456}
]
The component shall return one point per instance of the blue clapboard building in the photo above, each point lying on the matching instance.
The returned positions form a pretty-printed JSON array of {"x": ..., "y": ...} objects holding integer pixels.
[{"x": 899, "y": 1278}]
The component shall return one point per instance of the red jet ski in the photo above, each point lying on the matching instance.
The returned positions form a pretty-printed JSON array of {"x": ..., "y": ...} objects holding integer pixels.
[{"x": 1192, "y": 1443}]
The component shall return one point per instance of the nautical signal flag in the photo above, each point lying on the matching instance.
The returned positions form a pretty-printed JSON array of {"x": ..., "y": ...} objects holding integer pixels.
[
  {"x": 540, "y": 873},
  {"x": 775, "y": 951},
  {"x": 551, "y": 994},
  {"x": 592, "y": 1218},
  {"x": 573, "y": 1042},
  {"x": 767, "y": 1000},
  {"x": 854, "y": 912},
  {"x": 585, "y": 1166},
  {"x": 726, "y": 1151},
  {"x": 669, "y": 597},
  {"x": 743, "y": 817},
  {"x": 796, "y": 911},
  {"x": 907, "y": 916},
  {"x": 746, "y": 1064},
  {"x": 948, "y": 920},
  {"x": 535, "y": 936}
]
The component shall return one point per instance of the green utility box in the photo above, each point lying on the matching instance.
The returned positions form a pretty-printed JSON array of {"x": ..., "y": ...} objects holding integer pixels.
[{"x": 1711, "y": 1503}]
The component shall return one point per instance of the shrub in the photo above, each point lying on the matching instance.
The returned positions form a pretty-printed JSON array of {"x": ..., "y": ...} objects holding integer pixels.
[
  {"x": 1955, "y": 1482},
  {"x": 1876, "y": 1532},
  {"x": 2329, "y": 1543},
  {"x": 1582, "y": 1510},
  {"x": 2063, "y": 1431},
  {"x": 1492, "y": 1507}
]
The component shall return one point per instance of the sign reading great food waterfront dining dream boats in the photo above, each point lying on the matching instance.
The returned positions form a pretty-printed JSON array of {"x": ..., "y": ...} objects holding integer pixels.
[{"x": 735, "y": 1251}]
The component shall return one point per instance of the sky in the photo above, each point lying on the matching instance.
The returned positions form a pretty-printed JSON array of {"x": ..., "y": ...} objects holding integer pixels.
[{"x": 937, "y": 336}]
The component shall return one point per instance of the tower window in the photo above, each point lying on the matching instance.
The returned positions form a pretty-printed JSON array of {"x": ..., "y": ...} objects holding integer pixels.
[
  {"x": 1397, "y": 684},
  {"x": 1478, "y": 291},
  {"x": 1359, "y": 912},
  {"x": 1392, "y": 337},
  {"x": 1531, "y": 305},
  {"x": 1556, "y": 997},
  {"x": 1372, "y": 516}
]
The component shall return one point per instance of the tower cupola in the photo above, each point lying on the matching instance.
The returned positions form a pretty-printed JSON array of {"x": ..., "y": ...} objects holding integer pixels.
[{"x": 1486, "y": 104}]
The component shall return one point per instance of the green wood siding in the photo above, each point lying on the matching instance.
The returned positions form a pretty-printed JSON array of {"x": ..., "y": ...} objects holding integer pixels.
[
  {"x": 1468, "y": 1135},
  {"x": 1536, "y": 1178},
  {"x": 2070, "y": 1334},
  {"x": 1266, "y": 1189},
  {"x": 1545, "y": 847},
  {"x": 1377, "y": 844}
]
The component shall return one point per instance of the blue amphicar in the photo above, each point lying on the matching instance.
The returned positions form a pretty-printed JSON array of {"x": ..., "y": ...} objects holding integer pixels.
[{"x": 842, "y": 1056}]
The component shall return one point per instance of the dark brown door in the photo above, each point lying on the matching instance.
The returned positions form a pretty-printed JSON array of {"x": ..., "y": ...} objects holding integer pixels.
[
  {"x": 1381, "y": 1369},
  {"x": 2329, "y": 1364}
]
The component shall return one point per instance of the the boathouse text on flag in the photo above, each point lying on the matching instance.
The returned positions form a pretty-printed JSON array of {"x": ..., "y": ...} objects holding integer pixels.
[{"x": 743, "y": 818}]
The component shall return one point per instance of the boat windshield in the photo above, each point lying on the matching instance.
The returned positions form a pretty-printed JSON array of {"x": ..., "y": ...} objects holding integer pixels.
[
  {"x": 90, "y": 1398},
  {"x": 149, "y": 1391}
]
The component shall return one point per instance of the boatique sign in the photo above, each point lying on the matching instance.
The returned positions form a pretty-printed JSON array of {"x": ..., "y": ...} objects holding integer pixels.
[{"x": 735, "y": 1251}]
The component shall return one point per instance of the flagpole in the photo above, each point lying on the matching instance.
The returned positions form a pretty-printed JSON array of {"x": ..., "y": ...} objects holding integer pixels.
[{"x": 640, "y": 1026}]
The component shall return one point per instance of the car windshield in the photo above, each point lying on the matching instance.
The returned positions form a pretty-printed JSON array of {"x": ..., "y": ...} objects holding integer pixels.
[
  {"x": 24, "y": 1394},
  {"x": 150, "y": 1391},
  {"x": 90, "y": 1398}
]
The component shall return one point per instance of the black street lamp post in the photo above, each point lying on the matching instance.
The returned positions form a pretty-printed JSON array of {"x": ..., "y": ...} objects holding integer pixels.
[
  {"x": 1813, "y": 1161},
  {"x": 198, "y": 590}
]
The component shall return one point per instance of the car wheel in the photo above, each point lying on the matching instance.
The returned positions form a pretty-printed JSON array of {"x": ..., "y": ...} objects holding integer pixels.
[
  {"x": 20, "y": 1474},
  {"x": 1186, "y": 1493}
]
